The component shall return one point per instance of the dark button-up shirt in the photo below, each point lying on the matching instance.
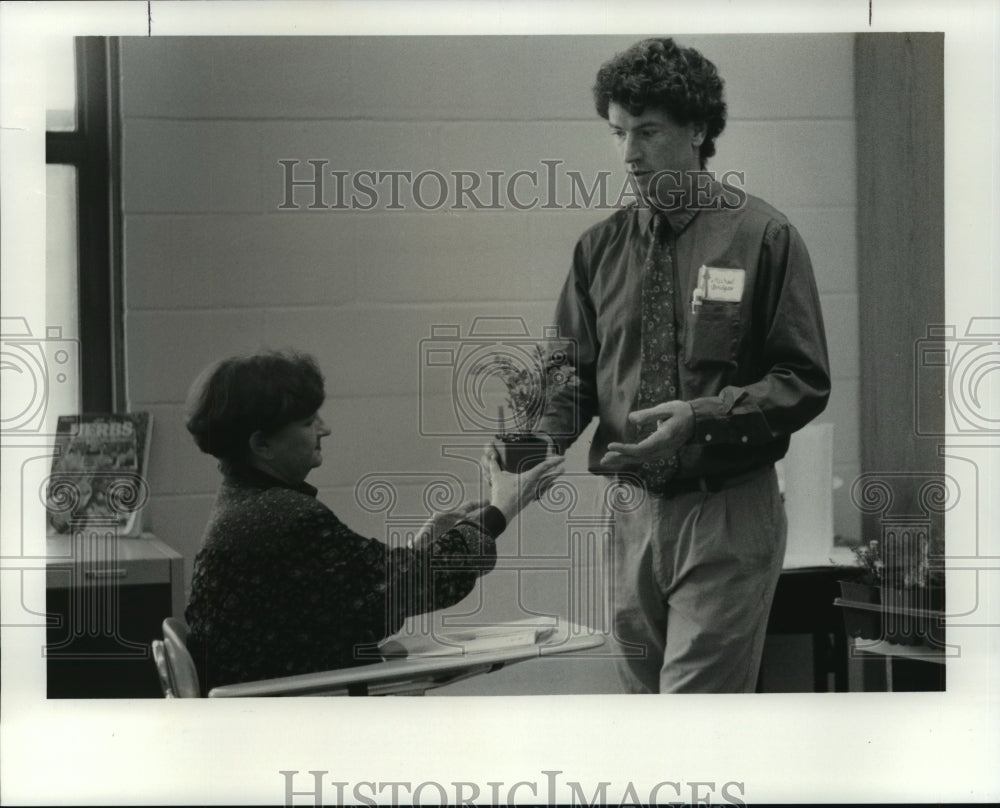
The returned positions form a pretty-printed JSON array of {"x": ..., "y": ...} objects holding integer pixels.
[{"x": 754, "y": 371}]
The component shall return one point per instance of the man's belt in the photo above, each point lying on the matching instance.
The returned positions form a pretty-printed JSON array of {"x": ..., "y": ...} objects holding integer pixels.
[{"x": 708, "y": 483}]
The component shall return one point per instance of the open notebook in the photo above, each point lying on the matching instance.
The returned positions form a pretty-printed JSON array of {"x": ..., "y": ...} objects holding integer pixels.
[{"x": 466, "y": 641}]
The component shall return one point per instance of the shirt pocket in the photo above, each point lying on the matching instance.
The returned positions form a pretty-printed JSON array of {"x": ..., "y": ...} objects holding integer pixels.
[{"x": 713, "y": 334}]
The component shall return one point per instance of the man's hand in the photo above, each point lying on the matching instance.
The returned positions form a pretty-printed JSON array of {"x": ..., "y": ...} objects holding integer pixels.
[
  {"x": 443, "y": 521},
  {"x": 674, "y": 427}
]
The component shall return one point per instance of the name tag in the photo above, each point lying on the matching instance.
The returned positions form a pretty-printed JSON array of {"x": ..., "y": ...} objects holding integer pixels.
[{"x": 721, "y": 284}]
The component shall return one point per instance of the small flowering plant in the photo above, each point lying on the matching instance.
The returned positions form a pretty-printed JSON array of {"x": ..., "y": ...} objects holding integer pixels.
[
  {"x": 869, "y": 563},
  {"x": 896, "y": 591},
  {"x": 530, "y": 384},
  {"x": 901, "y": 562}
]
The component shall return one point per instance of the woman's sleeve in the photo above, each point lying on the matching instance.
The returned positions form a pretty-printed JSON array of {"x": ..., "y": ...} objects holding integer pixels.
[
  {"x": 381, "y": 586},
  {"x": 445, "y": 571}
]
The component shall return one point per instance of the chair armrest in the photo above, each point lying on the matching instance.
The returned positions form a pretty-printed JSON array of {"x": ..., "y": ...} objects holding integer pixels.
[{"x": 380, "y": 678}]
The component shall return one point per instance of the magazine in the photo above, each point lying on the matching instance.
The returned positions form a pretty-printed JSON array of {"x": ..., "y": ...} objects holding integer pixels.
[{"x": 99, "y": 472}]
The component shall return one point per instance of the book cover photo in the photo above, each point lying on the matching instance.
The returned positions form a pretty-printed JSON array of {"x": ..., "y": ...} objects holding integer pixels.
[{"x": 99, "y": 472}]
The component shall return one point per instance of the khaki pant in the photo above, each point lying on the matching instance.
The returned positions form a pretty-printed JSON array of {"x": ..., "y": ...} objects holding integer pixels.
[{"x": 693, "y": 583}]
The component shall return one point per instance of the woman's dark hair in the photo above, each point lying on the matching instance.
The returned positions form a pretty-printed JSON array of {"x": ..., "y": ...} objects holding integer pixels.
[
  {"x": 659, "y": 73},
  {"x": 238, "y": 396}
]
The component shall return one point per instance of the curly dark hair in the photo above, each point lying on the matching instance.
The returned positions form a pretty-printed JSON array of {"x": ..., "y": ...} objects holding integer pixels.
[
  {"x": 659, "y": 73},
  {"x": 240, "y": 395}
]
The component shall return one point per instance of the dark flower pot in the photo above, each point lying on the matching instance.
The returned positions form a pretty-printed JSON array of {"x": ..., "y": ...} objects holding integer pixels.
[
  {"x": 862, "y": 611},
  {"x": 859, "y": 592},
  {"x": 520, "y": 451}
]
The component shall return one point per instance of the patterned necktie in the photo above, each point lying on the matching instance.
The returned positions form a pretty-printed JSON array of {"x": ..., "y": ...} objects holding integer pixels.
[{"x": 658, "y": 380}]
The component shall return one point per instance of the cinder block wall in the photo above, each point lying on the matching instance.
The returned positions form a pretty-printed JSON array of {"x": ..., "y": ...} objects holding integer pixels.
[{"x": 216, "y": 261}]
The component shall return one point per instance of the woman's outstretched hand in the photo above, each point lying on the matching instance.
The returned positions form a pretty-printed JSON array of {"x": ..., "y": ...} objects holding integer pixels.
[
  {"x": 510, "y": 493},
  {"x": 443, "y": 521}
]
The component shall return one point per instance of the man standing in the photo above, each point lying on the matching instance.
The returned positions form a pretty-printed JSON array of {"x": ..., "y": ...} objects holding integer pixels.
[{"x": 700, "y": 347}]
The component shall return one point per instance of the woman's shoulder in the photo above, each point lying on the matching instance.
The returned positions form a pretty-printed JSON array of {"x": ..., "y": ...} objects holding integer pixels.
[{"x": 276, "y": 512}]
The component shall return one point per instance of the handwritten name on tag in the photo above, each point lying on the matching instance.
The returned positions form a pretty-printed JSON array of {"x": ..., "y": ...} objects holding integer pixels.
[{"x": 721, "y": 283}]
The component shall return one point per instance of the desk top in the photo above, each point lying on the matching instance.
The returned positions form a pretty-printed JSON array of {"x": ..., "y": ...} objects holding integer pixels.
[
  {"x": 60, "y": 550},
  {"x": 419, "y": 673},
  {"x": 92, "y": 562}
]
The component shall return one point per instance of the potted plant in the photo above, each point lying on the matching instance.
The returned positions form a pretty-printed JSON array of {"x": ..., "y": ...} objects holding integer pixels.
[
  {"x": 529, "y": 385},
  {"x": 896, "y": 592},
  {"x": 863, "y": 583},
  {"x": 861, "y": 593}
]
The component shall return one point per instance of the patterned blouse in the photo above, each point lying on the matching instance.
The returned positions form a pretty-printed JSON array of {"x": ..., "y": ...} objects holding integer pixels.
[{"x": 281, "y": 586}]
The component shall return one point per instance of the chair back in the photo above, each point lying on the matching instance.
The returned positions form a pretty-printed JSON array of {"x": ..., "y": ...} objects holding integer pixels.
[
  {"x": 182, "y": 673},
  {"x": 162, "y": 669}
]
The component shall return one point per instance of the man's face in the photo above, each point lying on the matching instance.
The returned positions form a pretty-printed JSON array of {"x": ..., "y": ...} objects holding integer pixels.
[{"x": 657, "y": 151}]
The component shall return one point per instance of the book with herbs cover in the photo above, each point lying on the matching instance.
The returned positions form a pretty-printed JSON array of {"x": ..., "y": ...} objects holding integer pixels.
[{"x": 99, "y": 472}]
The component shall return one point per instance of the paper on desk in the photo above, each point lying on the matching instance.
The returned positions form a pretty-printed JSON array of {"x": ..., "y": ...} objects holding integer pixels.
[{"x": 466, "y": 641}]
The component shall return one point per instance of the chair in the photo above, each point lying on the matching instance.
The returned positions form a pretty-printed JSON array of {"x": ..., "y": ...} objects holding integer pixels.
[
  {"x": 179, "y": 676},
  {"x": 181, "y": 672},
  {"x": 162, "y": 669}
]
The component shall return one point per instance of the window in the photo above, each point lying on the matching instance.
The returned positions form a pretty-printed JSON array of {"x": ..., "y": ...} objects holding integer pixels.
[{"x": 83, "y": 228}]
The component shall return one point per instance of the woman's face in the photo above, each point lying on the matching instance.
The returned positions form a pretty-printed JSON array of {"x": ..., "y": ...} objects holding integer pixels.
[{"x": 295, "y": 449}]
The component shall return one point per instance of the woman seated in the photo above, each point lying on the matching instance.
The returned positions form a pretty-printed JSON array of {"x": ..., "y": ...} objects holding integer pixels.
[{"x": 281, "y": 586}]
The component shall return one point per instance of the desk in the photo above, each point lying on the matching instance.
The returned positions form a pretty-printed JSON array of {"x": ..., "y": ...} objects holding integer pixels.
[
  {"x": 928, "y": 675},
  {"x": 415, "y": 675},
  {"x": 804, "y": 604},
  {"x": 106, "y": 599}
]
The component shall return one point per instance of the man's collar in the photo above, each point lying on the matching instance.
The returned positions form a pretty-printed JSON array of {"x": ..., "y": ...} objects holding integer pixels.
[
  {"x": 677, "y": 218},
  {"x": 248, "y": 476},
  {"x": 680, "y": 213}
]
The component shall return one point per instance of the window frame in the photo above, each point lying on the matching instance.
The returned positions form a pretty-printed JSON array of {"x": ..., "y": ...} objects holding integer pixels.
[{"x": 93, "y": 148}]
